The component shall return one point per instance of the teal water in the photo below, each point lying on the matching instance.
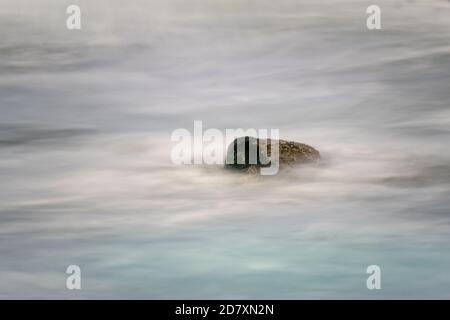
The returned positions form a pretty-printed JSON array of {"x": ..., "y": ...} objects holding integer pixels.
[{"x": 85, "y": 150}]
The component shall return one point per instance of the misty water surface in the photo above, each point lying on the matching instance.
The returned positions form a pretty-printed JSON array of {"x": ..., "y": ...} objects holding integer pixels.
[{"x": 87, "y": 179}]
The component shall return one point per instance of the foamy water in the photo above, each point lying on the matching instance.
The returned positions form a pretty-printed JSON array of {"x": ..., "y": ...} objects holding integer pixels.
[{"x": 85, "y": 149}]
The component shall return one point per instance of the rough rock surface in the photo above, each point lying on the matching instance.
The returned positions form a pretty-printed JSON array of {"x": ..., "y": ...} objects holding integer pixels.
[{"x": 290, "y": 153}]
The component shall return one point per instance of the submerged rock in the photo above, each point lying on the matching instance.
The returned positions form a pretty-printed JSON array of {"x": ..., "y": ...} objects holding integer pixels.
[{"x": 290, "y": 153}]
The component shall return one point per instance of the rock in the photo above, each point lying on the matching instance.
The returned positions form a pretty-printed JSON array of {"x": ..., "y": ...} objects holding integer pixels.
[{"x": 290, "y": 153}]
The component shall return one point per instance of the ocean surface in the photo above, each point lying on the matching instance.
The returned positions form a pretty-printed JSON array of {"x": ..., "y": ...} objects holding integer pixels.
[{"x": 87, "y": 178}]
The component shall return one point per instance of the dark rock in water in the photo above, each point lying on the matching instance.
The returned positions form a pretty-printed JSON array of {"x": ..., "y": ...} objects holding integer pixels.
[{"x": 249, "y": 153}]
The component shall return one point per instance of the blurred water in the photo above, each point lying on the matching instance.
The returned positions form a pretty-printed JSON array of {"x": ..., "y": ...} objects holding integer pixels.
[{"x": 86, "y": 118}]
